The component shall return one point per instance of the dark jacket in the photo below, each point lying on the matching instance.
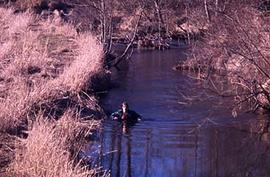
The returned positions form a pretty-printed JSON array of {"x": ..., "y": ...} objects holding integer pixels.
[{"x": 131, "y": 116}]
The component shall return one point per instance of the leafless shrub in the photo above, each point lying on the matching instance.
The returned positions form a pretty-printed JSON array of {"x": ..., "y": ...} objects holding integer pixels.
[{"x": 236, "y": 46}]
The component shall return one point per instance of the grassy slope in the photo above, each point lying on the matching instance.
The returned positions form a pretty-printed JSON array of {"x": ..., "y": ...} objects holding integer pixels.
[{"x": 42, "y": 62}]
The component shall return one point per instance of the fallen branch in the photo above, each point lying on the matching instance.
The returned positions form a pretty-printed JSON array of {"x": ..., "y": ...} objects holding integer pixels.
[{"x": 124, "y": 54}]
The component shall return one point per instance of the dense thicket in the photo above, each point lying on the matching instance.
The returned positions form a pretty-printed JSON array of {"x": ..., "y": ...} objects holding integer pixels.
[{"x": 235, "y": 46}]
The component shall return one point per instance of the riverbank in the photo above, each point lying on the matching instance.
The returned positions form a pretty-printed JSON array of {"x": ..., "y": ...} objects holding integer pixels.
[
  {"x": 235, "y": 47},
  {"x": 155, "y": 23},
  {"x": 46, "y": 72}
]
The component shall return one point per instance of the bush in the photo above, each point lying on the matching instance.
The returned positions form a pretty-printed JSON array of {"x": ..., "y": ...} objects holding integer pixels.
[{"x": 236, "y": 45}]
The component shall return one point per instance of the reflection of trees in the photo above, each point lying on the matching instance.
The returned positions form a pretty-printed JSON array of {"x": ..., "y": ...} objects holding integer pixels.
[
  {"x": 147, "y": 153},
  {"x": 196, "y": 152},
  {"x": 113, "y": 137},
  {"x": 235, "y": 153},
  {"x": 118, "y": 154},
  {"x": 116, "y": 157}
]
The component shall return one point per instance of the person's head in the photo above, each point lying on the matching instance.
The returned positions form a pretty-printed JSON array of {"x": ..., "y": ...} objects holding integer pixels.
[{"x": 124, "y": 106}]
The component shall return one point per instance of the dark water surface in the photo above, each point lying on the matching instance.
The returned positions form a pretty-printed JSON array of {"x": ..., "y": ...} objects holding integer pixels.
[{"x": 182, "y": 133}]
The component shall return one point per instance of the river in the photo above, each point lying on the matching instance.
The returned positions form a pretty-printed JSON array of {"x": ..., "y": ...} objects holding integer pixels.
[{"x": 185, "y": 132}]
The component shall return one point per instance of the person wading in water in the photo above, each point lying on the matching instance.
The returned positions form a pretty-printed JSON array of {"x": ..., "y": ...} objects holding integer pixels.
[{"x": 126, "y": 115}]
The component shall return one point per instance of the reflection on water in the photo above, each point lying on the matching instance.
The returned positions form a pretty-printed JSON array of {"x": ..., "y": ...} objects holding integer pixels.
[
  {"x": 213, "y": 151},
  {"x": 198, "y": 139}
]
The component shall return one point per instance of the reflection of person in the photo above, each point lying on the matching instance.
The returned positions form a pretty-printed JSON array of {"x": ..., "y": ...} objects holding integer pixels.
[
  {"x": 125, "y": 128},
  {"x": 124, "y": 114}
]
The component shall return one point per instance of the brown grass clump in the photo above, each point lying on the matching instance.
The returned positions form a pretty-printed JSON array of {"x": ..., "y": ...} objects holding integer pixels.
[
  {"x": 75, "y": 128},
  {"x": 43, "y": 153},
  {"x": 26, "y": 4},
  {"x": 43, "y": 62}
]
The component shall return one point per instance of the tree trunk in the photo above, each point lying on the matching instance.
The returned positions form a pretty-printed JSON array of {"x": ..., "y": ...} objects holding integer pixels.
[
  {"x": 125, "y": 53},
  {"x": 188, "y": 30},
  {"x": 103, "y": 21},
  {"x": 160, "y": 22},
  {"x": 216, "y": 4},
  {"x": 207, "y": 11}
]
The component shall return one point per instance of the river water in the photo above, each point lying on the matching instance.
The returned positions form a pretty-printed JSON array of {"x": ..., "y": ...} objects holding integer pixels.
[{"x": 185, "y": 131}]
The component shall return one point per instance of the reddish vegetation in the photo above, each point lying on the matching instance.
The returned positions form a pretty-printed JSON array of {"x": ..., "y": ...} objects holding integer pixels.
[
  {"x": 45, "y": 152},
  {"x": 43, "y": 62},
  {"x": 235, "y": 45}
]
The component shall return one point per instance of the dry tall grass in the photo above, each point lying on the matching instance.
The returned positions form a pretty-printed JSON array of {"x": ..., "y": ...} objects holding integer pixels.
[
  {"x": 42, "y": 61},
  {"x": 44, "y": 154},
  {"x": 26, "y": 4}
]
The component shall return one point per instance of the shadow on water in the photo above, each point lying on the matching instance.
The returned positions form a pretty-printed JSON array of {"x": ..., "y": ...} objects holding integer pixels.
[{"x": 177, "y": 137}]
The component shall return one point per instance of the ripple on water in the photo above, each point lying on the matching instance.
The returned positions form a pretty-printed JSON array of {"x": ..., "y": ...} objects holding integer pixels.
[{"x": 168, "y": 142}]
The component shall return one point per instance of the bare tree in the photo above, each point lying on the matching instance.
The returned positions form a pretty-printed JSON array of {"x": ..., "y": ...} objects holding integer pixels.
[{"x": 236, "y": 48}]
